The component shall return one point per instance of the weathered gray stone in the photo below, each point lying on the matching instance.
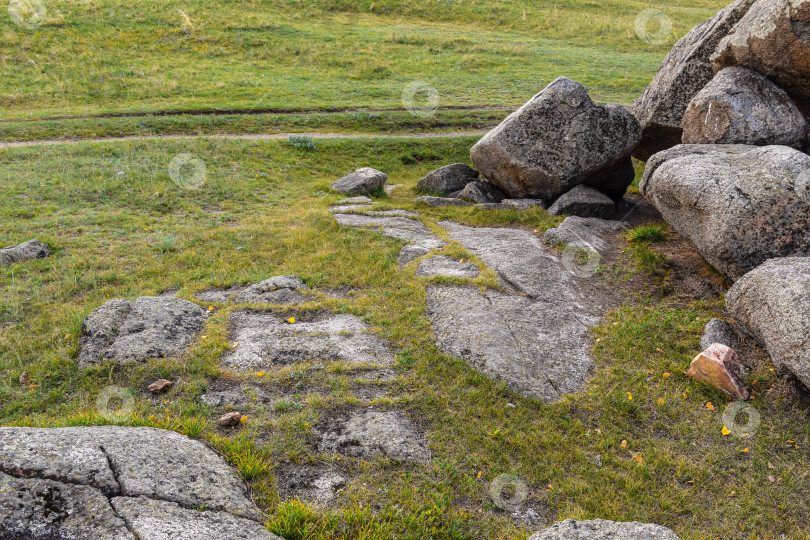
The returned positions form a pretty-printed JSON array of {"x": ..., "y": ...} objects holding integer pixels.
[
  {"x": 520, "y": 260},
  {"x": 33, "y": 508},
  {"x": 275, "y": 290},
  {"x": 394, "y": 212},
  {"x": 600, "y": 529},
  {"x": 266, "y": 339},
  {"x": 410, "y": 253},
  {"x": 557, "y": 140},
  {"x": 482, "y": 192},
  {"x": 718, "y": 331},
  {"x": 369, "y": 433},
  {"x": 33, "y": 249},
  {"x": 741, "y": 106},
  {"x": 363, "y": 180},
  {"x": 441, "y": 201},
  {"x": 773, "y": 38},
  {"x": 355, "y": 200},
  {"x": 448, "y": 267},
  {"x": 583, "y": 201},
  {"x": 523, "y": 204},
  {"x": 165, "y": 520},
  {"x": 149, "y": 327},
  {"x": 539, "y": 349},
  {"x": 684, "y": 72},
  {"x": 773, "y": 302},
  {"x": 410, "y": 230},
  {"x": 218, "y": 295},
  {"x": 448, "y": 179},
  {"x": 339, "y": 208},
  {"x": 130, "y": 461},
  {"x": 737, "y": 205},
  {"x": 584, "y": 232}
]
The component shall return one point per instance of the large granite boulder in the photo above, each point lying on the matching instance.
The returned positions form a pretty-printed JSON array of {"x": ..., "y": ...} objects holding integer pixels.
[
  {"x": 448, "y": 179},
  {"x": 119, "y": 483},
  {"x": 737, "y": 205},
  {"x": 149, "y": 327},
  {"x": 600, "y": 529},
  {"x": 773, "y": 38},
  {"x": 684, "y": 72},
  {"x": 773, "y": 302},
  {"x": 33, "y": 249},
  {"x": 557, "y": 140},
  {"x": 740, "y": 106},
  {"x": 364, "y": 180}
]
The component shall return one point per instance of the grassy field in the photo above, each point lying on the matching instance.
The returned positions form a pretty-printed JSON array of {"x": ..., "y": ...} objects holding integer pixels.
[
  {"x": 639, "y": 443},
  {"x": 100, "y": 57}
]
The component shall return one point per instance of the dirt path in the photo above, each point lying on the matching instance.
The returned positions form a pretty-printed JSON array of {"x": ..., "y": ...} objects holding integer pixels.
[{"x": 259, "y": 137}]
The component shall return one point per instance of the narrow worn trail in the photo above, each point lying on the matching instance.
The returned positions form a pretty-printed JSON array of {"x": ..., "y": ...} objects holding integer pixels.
[{"x": 236, "y": 136}]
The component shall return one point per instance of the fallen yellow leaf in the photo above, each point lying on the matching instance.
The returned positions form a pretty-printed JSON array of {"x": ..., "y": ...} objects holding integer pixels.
[
  {"x": 260, "y": 373},
  {"x": 638, "y": 457},
  {"x": 667, "y": 374},
  {"x": 243, "y": 419},
  {"x": 661, "y": 401},
  {"x": 629, "y": 396},
  {"x": 745, "y": 450},
  {"x": 624, "y": 444},
  {"x": 291, "y": 320},
  {"x": 710, "y": 406},
  {"x": 725, "y": 431},
  {"x": 479, "y": 475}
]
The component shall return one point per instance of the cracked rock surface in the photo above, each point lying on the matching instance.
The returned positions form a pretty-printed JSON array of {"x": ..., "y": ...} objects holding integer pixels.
[
  {"x": 149, "y": 327},
  {"x": 540, "y": 350},
  {"x": 600, "y": 529},
  {"x": 267, "y": 339},
  {"x": 112, "y": 482},
  {"x": 369, "y": 433},
  {"x": 442, "y": 265}
]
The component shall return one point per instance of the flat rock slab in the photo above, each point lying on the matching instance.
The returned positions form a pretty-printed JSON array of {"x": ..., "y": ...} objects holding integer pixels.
[
  {"x": 441, "y": 201},
  {"x": 520, "y": 260},
  {"x": 164, "y": 520},
  {"x": 149, "y": 327},
  {"x": 281, "y": 290},
  {"x": 585, "y": 233},
  {"x": 104, "y": 482},
  {"x": 410, "y": 253},
  {"x": 369, "y": 433},
  {"x": 266, "y": 339},
  {"x": 33, "y": 249},
  {"x": 540, "y": 349},
  {"x": 447, "y": 267},
  {"x": 338, "y": 208},
  {"x": 600, "y": 529}
]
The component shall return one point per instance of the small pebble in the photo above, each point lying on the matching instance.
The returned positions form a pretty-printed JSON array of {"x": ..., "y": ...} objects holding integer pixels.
[
  {"x": 231, "y": 419},
  {"x": 160, "y": 386}
]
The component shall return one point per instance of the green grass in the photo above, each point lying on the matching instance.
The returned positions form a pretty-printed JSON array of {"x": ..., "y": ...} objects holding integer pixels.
[
  {"x": 100, "y": 57},
  {"x": 262, "y": 211}
]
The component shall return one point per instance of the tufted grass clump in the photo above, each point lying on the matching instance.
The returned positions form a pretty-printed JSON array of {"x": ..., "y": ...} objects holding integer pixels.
[
  {"x": 302, "y": 142},
  {"x": 655, "y": 232}
]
